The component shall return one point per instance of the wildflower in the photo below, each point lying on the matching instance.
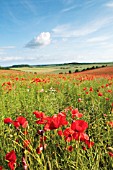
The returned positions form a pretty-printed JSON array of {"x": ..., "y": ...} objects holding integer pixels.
[
  {"x": 70, "y": 148},
  {"x": 20, "y": 121},
  {"x": 26, "y": 143},
  {"x": 79, "y": 100},
  {"x": 11, "y": 157},
  {"x": 111, "y": 123},
  {"x": 68, "y": 133},
  {"x": 76, "y": 113},
  {"x": 80, "y": 136},
  {"x": 60, "y": 133},
  {"x": 100, "y": 94},
  {"x": 56, "y": 121},
  {"x": 1, "y": 167},
  {"x": 89, "y": 143},
  {"x": 91, "y": 89},
  {"x": 110, "y": 154},
  {"x": 79, "y": 125},
  {"x": 8, "y": 120}
]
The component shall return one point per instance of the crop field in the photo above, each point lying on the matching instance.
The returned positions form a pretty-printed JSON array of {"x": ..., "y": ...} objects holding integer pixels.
[
  {"x": 56, "y": 121},
  {"x": 64, "y": 68}
]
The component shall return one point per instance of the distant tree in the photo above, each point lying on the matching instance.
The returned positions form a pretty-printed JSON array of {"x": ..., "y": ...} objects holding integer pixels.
[{"x": 76, "y": 70}]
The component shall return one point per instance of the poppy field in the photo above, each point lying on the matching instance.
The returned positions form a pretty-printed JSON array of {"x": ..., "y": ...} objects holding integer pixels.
[{"x": 56, "y": 121}]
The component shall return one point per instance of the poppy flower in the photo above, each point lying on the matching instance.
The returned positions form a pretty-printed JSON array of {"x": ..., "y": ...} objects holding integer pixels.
[
  {"x": 100, "y": 94},
  {"x": 20, "y": 121},
  {"x": 16, "y": 124},
  {"x": 80, "y": 136},
  {"x": 89, "y": 143},
  {"x": 8, "y": 120},
  {"x": 79, "y": 100},
  {"x": 11, "y": 165},
  {"x": 68, "y": 133},
  {"x": 11, "y": 156},
  {"x": 26, "y": 143},
  {"x": 40, "y": 148},
  {"x": 91, "y": 89},
  {"x": 1, "y": 167},
  {"x": 39, "y": 114},
  {"x": 70, "y": 148},
  {"x": 79, "y": 125},
  {"x": 111, "y": 123},
  {"x": 60, "y": 133},
  {"x": 76, "y": 113},
  {"x": 110, "y": 154},
  {"x": 55, "y": 121}
]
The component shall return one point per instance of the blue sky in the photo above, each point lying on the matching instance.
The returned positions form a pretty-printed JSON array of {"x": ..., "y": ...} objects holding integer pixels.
[{"x": 55, "y": 31}]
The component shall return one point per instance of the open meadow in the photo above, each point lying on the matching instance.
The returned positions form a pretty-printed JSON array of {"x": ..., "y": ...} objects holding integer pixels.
[{"x": 56, "y": 121}]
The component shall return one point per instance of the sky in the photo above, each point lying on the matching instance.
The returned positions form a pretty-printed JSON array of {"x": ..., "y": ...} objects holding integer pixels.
[{"x": 55, "y": 31}]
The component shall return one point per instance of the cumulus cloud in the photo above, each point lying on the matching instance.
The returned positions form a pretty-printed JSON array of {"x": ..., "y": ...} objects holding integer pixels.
[{"x": 42, "y": 39}]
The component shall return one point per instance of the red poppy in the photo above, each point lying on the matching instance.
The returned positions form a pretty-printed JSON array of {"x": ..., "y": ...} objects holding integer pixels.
[
  {"x": 68, "y": 133},
  {"x": 8, "y": 120},
  {"x": 110, "y": 154},
  {"x": 11, "y": 165},
  {"x": 79, "y": 125},
  {"x": 76, "y": 113},
  {"x": 80, "y": 136},
  {"x": 55, "y": 121},
  {"x": 100, "y": 94},
  {"x": 70, "y": 148},
  {"x": 39, "y": 149},
  {"x": 39, "y": 114},
  {"x": 60, "y": 133},
  {"x": 16, "y": 124},
  {"x": 20, "y": 121},
  {"x": 26, "y": 143},
  {"x": 1, "y": 167},
  {"x": 111, "y": 123},
  {"x": 11, "y": 156},
  {"x": 91, "y": 89},
  {"x": 89, "y": 143}
]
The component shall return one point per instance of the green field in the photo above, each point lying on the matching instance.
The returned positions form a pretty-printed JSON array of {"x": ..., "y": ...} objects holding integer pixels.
[
  {"x": 64, "y": 68},
  {"x": 56, "y": 122}
]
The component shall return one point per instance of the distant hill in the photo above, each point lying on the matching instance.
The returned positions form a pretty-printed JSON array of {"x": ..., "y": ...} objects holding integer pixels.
[
  {"x": 20, "y": 65},
  {"x": 46, "y": 65}
]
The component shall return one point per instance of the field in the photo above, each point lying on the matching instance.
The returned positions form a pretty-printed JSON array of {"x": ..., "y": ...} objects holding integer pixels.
[
  {"x": 56, "y": 121},
  {"x": 63, "y": 68}
]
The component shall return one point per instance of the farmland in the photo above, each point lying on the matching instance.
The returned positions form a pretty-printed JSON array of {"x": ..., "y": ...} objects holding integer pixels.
[
  {"x": 56, "y": 121},
  {"x": 61, "y": 68}
]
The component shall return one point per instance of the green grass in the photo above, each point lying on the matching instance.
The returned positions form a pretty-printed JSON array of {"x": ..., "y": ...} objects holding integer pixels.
[{"x": 51, "y": 95}]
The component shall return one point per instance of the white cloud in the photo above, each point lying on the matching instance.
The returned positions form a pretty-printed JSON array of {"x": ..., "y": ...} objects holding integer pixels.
[
  {"x": 98, "y": 39},
  {"x": 69, "y": 8},
  {"x": 41, "y": 40},
  {"x": 69, "y": 31},
  {"x": 110, "y": 5},
  {"x": 7, "y": 47}
]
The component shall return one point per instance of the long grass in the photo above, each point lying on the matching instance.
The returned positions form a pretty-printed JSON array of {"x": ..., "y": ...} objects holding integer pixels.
[{"x": 24, "y": 93}]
